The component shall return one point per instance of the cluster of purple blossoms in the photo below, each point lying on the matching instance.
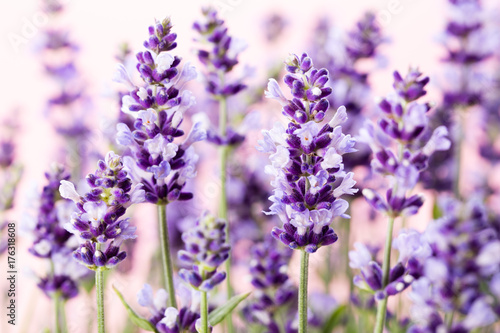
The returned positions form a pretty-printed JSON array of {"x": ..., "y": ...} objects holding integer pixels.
[
  {"x": 52, "y": 241},
  {"x": 403, "y": 121},
  {"x": 168, "y": 319},
  {"x": 340, "y": 57},
  {"x": 97, "y": 222},
  {"x": 268, "y": 268},
  {"x": 413, "y": 251},
  {"x": 461, "y": 276},
  {"x": 69, "y": 106},
  {"x": 306, "y": 159},
  {"x": 206, "y": 250},
  {"x": 10, "y": 170},
  {"x": 219, "y": 58},
  {"x": 468, "y": 45},
  {"x": 469, "y": 42},
  {"x": 160, "y": 164}
]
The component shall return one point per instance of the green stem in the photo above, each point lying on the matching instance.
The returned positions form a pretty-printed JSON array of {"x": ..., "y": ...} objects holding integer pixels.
[
  {"x": 64, "y": 323},
  {"x": 449, "y": 320},
  {"x": 57, "y": 312},
  {"x": 458, "y": 154},
  {"x": 304, "y": 265},
  {"x": 168, "y": 272},
  {"x": 223, "y": 214},
  {"x": 204, "y": 312},
  {"x": 99, "y": 283},
  {"x": 382, "y": 306}
]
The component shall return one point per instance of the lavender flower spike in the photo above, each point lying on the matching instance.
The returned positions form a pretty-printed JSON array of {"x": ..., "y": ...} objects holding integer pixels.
[
  {"x": 399, "y": 145},
  {"x": 97, "y": 222},
  {"x": 206, "y": 250},
  {"x": 53, "y": 242},
  {"x": 268, "y": 265},
  {"x": 306, "y": 159},
  {"x": 157, "y": 160}
]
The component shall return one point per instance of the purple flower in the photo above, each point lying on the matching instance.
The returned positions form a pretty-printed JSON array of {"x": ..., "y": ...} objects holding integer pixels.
[
  {"x": 340, "y": 52},
  {"x": 53, "y": 242},
  {"x": 306, "y": 159},
  {"x": 157, "y": 159},
  {"x": 68, "y": 107},
  {"x": 206, "y": 249},
  {"x": 268, "y": 268},
  {"x": 414, "y": 252},
  {"x": 97, "y": 222},
  {"x": 402, "y": 123},
  {"x": 169, "y": 319},
  {"x": 221, "y": 56},
  {"x": 460, "y": 268}
]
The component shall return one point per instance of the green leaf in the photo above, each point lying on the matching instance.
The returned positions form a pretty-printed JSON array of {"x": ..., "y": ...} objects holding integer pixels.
[
  {"x": 436, "y": 211},
  {"x": 218, "y": 315},
  {"x": 134, "y": 317},
  {"x": 335, "y": 319}
]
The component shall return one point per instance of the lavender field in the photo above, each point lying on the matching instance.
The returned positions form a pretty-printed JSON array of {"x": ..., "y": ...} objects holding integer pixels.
[{"x": 236, "y": 166}]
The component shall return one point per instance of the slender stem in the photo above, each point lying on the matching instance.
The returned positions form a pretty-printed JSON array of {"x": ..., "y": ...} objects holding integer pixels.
[
  {"x": 458, "y": 154},
  {"x": 64, "y": 323},
  {"x": 382, "y": 306},
  {"x": 449, "y": 320},
  {"x": 224, "y": 153},
  {"x": 99, "y": 283},
  {"x": 204, "y": 312},
  {"x": 57, "y": 312},
  {"x": 304, "y": 265},
  {"x": 168, "y": 272}
]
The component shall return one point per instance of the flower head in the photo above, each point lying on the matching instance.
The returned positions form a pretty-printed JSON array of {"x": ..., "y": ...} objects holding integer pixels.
[{"x": 306, "y": 159}]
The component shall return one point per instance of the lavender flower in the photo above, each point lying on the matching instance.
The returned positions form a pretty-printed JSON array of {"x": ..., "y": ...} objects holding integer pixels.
[
  {"x": 468, "y": 43},
  {"x": 307, "y": 165},
  {"x": 413, "y": 251},
  {"x": 10, "y": 175},
  {"x": 206, "y": 250},
  {"x": 268, "y": 268},
  {"x": 97, "y": 221},
  {"x": 340, "y": 53},
  {"x": 169, "y": 319},
  {"x": 461, "y": 269},
  {"x": 156, "y": 161},
  {"x": 402, "y": 123},
  {"x": 50, "y": 236},
  {"x": 221, "y": 55},
  {"x": 68, "y": 107},
  {"x": 53, "y": 242}
]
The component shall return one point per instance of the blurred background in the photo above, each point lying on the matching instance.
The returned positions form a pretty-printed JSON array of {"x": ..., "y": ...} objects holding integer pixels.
[{"x": 412, "y": 31}]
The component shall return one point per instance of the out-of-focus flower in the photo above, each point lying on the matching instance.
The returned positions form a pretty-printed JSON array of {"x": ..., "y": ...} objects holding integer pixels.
[
  {"x": 413, "y": 251},
  {"x": 53, "y": 242},
  {"x": 268, "y": 268},
  {"x": 340, "y": 53},
  {"x": 221, "y": 55},
  {"x": 306, "y": 159},
  {"x": 460, "y": 271},
  {"x": 396, "y": 143},
  {"x": 206, "y": 250},
  {"x": 169, "y": 319}
]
